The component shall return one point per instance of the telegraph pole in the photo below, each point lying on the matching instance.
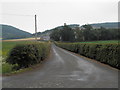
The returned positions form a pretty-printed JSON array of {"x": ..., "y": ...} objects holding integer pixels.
[{"x": 35, "y": 27}]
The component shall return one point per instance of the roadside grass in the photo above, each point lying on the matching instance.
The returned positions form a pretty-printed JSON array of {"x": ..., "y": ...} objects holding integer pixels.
[
  {"x": 6, "y": 68},
  {"x": 13, "y": 72}
]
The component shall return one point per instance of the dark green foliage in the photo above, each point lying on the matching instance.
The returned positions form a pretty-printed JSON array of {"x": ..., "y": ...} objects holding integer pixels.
[
  {"x": 26, "y": 55},
  {"x": 55, "y": 35},
  {"x": 105, "y": 53},
  {"x": 86, "y": 33},
  {"x": 87, "y": 27},
  {"x": 67, "y": 34},
  {"x": 63, "y": 34},
  {"x": 90, "y": 34}
]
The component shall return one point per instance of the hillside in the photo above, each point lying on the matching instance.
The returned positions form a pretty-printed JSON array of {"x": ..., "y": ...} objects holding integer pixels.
[
  {"x": 106, "y": 25},
  {"x": 10, "y": 32}
]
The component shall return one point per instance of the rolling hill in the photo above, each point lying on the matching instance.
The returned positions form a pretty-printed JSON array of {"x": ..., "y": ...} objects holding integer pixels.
[
  {"x": 106, "y": 25},
  {"x": 10, "y": 32}
]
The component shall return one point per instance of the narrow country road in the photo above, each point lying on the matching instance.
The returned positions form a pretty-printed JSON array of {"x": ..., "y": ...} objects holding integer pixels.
[{"x": 65, "y": 70}]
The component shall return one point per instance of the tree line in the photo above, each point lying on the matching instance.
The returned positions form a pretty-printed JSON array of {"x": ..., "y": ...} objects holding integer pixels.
[{"x": 85, "y": 33}]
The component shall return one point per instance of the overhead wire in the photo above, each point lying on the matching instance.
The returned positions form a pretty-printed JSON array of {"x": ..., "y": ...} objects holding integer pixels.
[{"x": 16, "y": 14}]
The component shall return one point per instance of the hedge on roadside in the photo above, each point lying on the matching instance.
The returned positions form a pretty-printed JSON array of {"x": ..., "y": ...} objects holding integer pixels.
[
  {"x": 25, "y": 55},
  {"x": 105, "y": 53}
]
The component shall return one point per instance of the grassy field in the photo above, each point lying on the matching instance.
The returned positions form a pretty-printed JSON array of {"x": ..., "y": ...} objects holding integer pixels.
[
  {"x": 24, "y": 39},
  {"x": 104, "y": 42},
  {"x": 8, "y": 45}
]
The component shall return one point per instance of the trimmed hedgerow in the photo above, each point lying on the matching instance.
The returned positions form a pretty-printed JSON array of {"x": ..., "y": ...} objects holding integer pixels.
[
  {"x": 105, "y": 53},
  {"x": 25, "y": 55}
]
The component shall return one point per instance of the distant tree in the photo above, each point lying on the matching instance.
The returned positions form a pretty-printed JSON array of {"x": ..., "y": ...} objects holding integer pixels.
[
  {"x": 87, "y": 27},
  {"x": 118, "y": 34},
  {"x": 67, "y": 34},
  {"x": 103, "y": 33},
  {"x": 79, "y": 35},
  {"x": 87, "y": 34},
  {"x": 55, "y": 35}
]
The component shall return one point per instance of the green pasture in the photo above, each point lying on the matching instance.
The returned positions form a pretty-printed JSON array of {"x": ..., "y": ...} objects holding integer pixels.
[
  {"x": 8, "y": 45},
  {"x": 103, "y": 42}
]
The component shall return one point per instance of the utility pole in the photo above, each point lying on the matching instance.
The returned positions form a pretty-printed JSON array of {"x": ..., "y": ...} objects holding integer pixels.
[{"x": 35, "y": 28}]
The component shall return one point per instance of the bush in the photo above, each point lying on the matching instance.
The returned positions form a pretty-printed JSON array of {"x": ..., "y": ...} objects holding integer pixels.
[
  {"x": 25, "y": 55},
  {"x": 105, "y": 53}
]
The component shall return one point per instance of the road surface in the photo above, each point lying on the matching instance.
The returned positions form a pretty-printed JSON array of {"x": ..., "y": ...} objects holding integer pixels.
[{"x": 65, "y": 70}]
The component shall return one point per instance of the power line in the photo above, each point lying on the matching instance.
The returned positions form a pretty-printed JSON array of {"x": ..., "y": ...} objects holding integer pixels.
[{"x": 16, "y": 14}]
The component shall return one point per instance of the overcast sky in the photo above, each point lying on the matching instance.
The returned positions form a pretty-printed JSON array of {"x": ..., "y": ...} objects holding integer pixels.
[{"x": 53, "y": 13}]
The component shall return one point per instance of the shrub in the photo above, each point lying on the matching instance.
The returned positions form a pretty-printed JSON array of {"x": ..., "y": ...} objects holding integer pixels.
[
  {"x": 105, "y": 53},
  {"x": 25, "y": 55}
]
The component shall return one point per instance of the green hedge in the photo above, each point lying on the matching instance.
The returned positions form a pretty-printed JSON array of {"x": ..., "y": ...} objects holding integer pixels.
[
  {"x": 105, "y": 53},
  {"x": 25, "y": 55}
]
